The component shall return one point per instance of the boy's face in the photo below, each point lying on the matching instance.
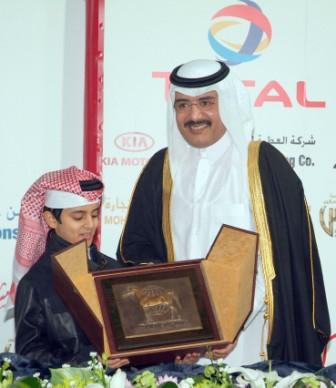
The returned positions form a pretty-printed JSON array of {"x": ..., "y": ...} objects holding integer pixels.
[{"x": 77, "y": 223}]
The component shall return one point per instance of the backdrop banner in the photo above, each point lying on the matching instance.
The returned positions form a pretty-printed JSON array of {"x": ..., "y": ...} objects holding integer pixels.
[{"x": 282, "y": 52}]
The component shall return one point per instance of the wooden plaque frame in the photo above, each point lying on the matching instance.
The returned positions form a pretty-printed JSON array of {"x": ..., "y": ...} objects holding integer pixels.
[{"x": 152, "y": 313}]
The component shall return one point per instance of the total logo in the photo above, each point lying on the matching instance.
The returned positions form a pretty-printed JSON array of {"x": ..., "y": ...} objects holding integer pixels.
[
  {"x": 134, "y": 142},
  {"x": 239, "y": 33},
  {"x": 271, "y": 92},
  {"x": 328, "y": 216}
]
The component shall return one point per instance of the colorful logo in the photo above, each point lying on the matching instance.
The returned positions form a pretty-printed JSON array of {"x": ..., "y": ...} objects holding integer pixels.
[{"x": 240, "y": 33}]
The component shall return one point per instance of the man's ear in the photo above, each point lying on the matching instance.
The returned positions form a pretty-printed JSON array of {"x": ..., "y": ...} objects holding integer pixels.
[{"x": 50, "y": 219}]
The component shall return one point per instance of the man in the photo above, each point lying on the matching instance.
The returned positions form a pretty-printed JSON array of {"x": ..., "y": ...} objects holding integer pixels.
[
  {"x": 61, "y": 208},
  {"x": 209, "y": 175}
]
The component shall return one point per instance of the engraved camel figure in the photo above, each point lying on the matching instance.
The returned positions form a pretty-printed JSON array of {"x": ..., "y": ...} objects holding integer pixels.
[{"x": 156, "y": 302}]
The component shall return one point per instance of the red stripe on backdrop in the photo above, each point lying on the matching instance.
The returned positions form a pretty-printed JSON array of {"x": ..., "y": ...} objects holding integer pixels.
[
  {"x": 93, "y": 94},
  {"x": 325, "y": 350}
]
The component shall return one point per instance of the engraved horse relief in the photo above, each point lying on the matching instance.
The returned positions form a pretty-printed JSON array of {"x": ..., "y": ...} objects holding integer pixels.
[{"x": 158, "y": 304}]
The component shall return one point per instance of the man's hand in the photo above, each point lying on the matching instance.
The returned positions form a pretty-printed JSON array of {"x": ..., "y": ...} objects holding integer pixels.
[
  {"x": 189, "y": 358},
  {"x": 115, "y": 363},
  {"x": 221, "y": 352}
]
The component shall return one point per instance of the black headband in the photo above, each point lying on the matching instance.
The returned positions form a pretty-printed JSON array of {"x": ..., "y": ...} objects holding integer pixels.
[
  {"x": 199, "y": 82},
  {"x": 91, "y": 184}
]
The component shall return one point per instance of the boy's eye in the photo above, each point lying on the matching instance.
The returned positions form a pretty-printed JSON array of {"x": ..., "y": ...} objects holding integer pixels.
[{"x": 77, "y": 218}]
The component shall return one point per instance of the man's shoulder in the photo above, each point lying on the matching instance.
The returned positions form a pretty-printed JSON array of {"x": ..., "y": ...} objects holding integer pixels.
[
  {"x": 155, "y": 163},
  {"x": 158, "y": 156},
  {"x": 151, "y": 175},
  {"x": 266, "y": 148},
  {"x": 273, "y": 161},
  {"x": 270, "y": 153}
]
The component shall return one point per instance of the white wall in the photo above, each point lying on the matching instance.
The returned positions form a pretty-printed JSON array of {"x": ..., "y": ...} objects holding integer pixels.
[{"x": 41, "y": 99}]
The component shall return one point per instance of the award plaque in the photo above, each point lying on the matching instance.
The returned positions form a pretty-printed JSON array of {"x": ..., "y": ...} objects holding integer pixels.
[
  {"x": 156, "y": 306},
  {"x": 151, "y": 313}
]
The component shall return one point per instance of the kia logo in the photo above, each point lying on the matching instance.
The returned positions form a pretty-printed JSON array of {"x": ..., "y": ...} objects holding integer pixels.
[{"x": 134, "y": 142}]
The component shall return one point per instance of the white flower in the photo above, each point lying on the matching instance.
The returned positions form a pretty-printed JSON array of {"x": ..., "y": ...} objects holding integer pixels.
[
  {"x": 93, "y": 354},
  {"x": 6, "y": 359},
  {"x": 165, "y": 378},
  {"x": 186, "y": 383},
  {"x": 37, "y": 374},
  {"x": 99, "y": 366},
  {"x": 220, "y": 361},
  {"x": 251, "y": 377},
  {"x": 290, "y": 380},
  {"x": 66, "y": 366},
  {"x": 118, "y": 379}
]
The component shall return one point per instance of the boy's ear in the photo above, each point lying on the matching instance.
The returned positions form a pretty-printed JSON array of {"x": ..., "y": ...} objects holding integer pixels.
[{"x": 50, "y": 219}]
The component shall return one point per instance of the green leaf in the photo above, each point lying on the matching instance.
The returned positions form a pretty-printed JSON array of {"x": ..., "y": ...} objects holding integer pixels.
[
  {"x": 168, "y": 384},
  {"x": 27, "y": 382},
  {"x": 63, "y": 376},
  {"x": 145, "y": 379}
]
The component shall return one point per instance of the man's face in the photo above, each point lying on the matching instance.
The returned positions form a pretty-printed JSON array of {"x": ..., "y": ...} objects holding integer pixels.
[
  {"x": 198, "y": 119},
  {"x": 77, "y": 223}
]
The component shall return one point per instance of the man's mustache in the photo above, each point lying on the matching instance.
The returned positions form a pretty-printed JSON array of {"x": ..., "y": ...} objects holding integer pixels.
[{"x": 190, "y": 123}]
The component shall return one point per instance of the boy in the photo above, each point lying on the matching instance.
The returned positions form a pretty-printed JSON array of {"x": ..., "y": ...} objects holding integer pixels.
[{"x": 61, "y": 208}]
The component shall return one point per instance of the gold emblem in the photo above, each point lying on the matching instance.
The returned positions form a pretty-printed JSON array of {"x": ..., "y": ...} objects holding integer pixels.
[{"x": 328, "y": 216}]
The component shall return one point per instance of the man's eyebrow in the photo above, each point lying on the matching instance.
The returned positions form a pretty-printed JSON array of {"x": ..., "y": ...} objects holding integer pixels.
[
  {"x": 181, "y": 99},
  {"x": 207, "y": 98}
]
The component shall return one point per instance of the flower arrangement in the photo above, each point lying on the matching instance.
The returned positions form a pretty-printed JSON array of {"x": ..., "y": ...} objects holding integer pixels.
[
  {"x": 6, "y": 375},
  {"x": 215, "y": 375}
]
